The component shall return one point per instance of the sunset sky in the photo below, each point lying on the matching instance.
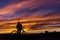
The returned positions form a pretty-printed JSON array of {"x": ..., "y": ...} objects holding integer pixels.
[{"x": 33, "y": 14}]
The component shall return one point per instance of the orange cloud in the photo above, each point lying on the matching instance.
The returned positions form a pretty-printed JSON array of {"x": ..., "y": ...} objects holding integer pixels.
[{"x": 29, "y": 21}]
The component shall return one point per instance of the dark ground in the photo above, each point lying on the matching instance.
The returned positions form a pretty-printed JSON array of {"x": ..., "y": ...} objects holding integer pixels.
[{"x": 41, "y": 36}]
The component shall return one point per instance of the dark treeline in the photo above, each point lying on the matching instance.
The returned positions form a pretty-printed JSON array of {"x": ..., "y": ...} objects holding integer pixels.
[{"x": 42, "y": 36}]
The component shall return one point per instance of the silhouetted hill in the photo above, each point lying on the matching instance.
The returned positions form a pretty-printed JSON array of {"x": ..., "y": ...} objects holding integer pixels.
[{"x": 41, "y": 36}]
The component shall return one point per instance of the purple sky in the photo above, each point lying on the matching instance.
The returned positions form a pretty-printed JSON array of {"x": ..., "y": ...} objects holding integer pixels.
[{"x": 39, "y": 13}]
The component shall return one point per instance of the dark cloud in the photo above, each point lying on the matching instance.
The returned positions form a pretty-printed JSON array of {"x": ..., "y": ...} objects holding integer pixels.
[{"x": 34, "y": 11}]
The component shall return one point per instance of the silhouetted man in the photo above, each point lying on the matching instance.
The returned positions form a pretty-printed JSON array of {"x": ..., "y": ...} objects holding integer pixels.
[{"x": 19, "y": 27}]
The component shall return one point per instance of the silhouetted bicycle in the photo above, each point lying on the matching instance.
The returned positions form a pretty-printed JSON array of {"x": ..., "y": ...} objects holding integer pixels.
[{"x": 16, "y": 32}]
